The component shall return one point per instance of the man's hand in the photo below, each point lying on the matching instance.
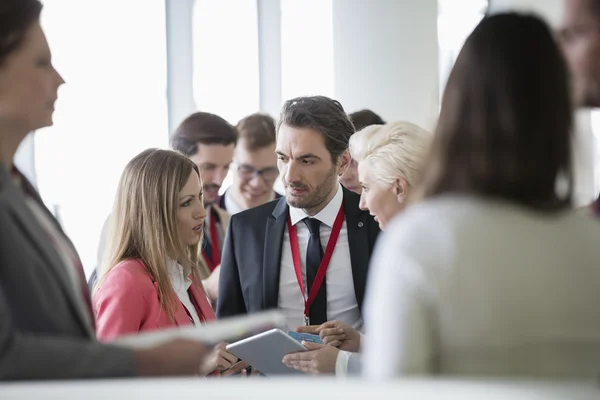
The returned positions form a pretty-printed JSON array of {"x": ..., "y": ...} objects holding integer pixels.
[
  {"x": 335, "y": 333},
  {"x": 340, "y": 335},
  {"x": 308, "y": 329},
  {"x": 319, "y": 359},
  {"x": 177, "y": 357}
]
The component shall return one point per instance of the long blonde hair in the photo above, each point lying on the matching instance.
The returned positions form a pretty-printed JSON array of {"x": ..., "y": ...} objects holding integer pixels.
[{"x": 144, "y": 220}]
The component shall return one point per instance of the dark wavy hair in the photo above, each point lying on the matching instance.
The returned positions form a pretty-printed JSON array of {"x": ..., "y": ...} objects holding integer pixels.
[
  {"x": 325, "y": 115},
  {"x": 16, "y": 16}
]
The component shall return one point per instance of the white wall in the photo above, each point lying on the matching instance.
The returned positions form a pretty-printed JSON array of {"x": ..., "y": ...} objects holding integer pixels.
[{"x": 386, "y": 58}]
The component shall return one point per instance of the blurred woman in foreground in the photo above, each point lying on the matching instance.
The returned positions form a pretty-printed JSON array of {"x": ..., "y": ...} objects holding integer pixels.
[{"x": 492, "y": 274}]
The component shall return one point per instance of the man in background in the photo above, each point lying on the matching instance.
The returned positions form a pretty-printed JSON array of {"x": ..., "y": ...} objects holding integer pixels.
[
  {"x": 255, "y": 165},
  {"x": 360, "y": 119}
]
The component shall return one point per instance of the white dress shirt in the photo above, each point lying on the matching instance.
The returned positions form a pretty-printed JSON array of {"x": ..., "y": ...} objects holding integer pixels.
[
  {"x": 341, "y": 299},
  {"x": 466, "y": 286},
  {"x": 181, "y": 282}
]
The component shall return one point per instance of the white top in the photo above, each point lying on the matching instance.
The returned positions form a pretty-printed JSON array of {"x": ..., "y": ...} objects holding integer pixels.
[
  {"x": 181, "y": 283},
  {"x": 341, "y": 299},
  {"x": 232, "y": 206},
  {"x": 467, "y": 286}
]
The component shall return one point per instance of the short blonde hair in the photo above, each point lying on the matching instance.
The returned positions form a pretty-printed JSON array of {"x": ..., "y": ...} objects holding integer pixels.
[
  {"x": 144, "y": 220},
  {"x": 394, "y": 150}
]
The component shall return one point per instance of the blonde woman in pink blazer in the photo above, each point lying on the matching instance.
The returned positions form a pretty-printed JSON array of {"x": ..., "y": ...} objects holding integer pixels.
[{"x": 153, "y": 272}]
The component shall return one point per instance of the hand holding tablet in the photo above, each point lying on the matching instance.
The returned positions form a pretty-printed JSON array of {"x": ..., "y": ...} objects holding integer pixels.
[{"x": 265, "y": 351}]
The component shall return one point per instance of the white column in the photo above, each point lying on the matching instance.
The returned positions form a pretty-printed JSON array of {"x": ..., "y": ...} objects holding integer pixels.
[
  {"x": 386, "y": 58},
  {"x": 180, "y": 55},
  {"x": 269, "y": 55}
]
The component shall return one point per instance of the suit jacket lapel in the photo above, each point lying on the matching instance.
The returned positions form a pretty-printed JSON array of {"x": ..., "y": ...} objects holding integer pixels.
[
  {"x": 201, "y": 301},
  {"x": 272, "y": 253},
  {"x": 358, "y": 241},
  {"x": 32, "y": 228}
]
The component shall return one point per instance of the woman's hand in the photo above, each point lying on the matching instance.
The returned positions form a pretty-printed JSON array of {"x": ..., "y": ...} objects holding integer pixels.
[{"x": 218, "y": 360}]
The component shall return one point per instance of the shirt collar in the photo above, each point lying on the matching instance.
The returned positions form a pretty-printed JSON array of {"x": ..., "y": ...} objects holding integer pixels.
[
  {"x": 327, "y": 215},
  {"x": 178, "y": 274},
  {"x": 231, "y": 205}
]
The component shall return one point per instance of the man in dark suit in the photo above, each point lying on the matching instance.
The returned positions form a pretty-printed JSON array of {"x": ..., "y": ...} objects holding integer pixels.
[{"x": 276, "y": 254}]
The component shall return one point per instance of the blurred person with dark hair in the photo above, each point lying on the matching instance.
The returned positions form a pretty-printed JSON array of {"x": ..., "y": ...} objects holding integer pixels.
[
  {"x": 255, "y": 165},
  {"x": 47, "y": 326},
  {"x": 360, "y": 119},
  {"x": 492, "y": 273},
  {"x": 580, "y": 39}
]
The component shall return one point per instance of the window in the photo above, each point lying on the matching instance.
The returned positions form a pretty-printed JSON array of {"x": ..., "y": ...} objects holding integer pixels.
[
  {"x": 112, "y": 107},
  {"x": 306, "y": 48},
  {"x": 226, "y": 75},
  {"x": 225, "y": 40},
  {"x": 456, "y": 21}
]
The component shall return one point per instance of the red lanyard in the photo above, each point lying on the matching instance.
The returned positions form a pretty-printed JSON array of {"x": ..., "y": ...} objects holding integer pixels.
[
  {"x": 335, "y": 232},
  {"x": 214, "y": 241}
]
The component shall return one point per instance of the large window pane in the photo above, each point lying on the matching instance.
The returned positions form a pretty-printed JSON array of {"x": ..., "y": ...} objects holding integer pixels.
[
  {"x": 456, "y": 21},
  {"x": 226, "y": 70},
  {"x": 226, "y": 78},
  {"x": 112, "y": 54},
  {"x": 306, "y": 48}
]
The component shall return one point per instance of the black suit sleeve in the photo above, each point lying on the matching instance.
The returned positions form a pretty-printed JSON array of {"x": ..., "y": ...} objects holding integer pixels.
[{"x": 231, "y": 298}]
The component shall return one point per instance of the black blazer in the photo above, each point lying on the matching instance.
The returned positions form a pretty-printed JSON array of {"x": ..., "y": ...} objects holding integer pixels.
[{"x": 251, "y": 260}]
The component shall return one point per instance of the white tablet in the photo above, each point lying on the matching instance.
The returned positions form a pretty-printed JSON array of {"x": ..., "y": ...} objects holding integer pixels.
[{"x": 265, "y": 351}]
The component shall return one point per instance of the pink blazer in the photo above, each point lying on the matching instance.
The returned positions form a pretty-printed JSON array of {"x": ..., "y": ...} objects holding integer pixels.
[{"x": 128, "y": 302}]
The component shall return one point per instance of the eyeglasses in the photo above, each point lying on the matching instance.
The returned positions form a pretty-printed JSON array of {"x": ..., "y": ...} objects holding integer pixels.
[{"x": 247, "y": 172}]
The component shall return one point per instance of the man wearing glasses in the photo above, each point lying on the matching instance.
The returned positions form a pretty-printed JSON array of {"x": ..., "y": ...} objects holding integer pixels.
[{"x": 255, "y": 165}]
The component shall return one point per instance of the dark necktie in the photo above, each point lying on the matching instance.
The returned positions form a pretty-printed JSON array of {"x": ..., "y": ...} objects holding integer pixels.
[{"x": 314, "y": 255}]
